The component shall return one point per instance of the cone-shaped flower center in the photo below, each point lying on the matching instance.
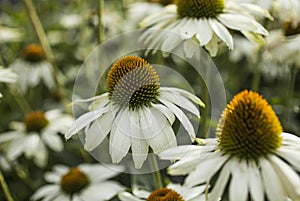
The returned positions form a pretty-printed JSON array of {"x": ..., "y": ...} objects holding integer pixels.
[
  {"x": 33, "y": 53},
  {"x": 132, "y": 82},
  {"x": 199, "y": 8},
  {"x": 35, "y": 121},
  {"x": 164, "y": 194},
  {"x": 162, "y": 2},
  {"x": 290, "y": 29},
  {"x": 74, "y": 181},
  {"x": 249, "y": 128}
]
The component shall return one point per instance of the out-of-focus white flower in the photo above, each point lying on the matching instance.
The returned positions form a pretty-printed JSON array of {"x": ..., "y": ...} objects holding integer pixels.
[
  {"x": 10, "y": 34},
  {"x": 136, "y": 112},
  {"x": 207, "y": 22},
  {"x": 71, "y": 21},
  {"x": 87, "y": 182},
  {"x": 4, "y": 163},
  {"x": 251, "y": 156},
  {"x": 31, "y": 136},
  {"x": 244, "y": 49},
  {"x": 139, "y": 10},
  {"x": 7, "y": 76},
  {"x": 283, "y": 10},
  {"x": 172, "y": 192},
  {"x": 32, "y": 68},
  {"x": 283, "y": 45}
]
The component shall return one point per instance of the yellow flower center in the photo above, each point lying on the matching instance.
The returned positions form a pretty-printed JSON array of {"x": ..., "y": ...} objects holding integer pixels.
[
  {"x": 35, "y": 121},
  {"x": 132, "y": 82},
  {"x": 249, "y": 128},
  {"x": 162, "y": 2},
  {"x": 74, "y": 181},
  {"x": 290, "y": 29},
  {"x": 164, "y": 194},
  {"x": 33, "y": 53},
  {"x": 199, "y": 8}
]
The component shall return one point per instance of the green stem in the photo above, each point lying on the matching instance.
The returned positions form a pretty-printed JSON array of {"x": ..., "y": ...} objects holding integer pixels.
[
  {"x": 19, "y": 98},
  {"x": 100, "y": 24},
  {"x": 155, "y": 171},
  {"x": 290, "y": 85},
  {"x": 257, "y": 72},
  {"x": 256, "y": 78},
  {"x": 38, "y": 27},
  {"x": 5, "y": 188}
]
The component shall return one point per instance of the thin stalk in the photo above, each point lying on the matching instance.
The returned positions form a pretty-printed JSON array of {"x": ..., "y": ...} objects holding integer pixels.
[
  {"x": 155, "y": 171},
  {"x": 256, "y": 78},
  {"x": 290, "y": 86},
  {"x": 5, "y": 188},
  {"x": 100, "y": 19},
  {"x": 257, "y": 73},
  {"x": 21, "y": 101},
  {"x": 40, "y": 32}
]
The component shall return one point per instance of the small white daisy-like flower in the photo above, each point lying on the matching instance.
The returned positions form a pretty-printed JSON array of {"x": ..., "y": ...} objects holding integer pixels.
[
  {"x": 207, "y": 22},
  {"x": 283, "y": 45},
  {"x": 31, "y": 136},
  {"x": 136, "y": 112},
  {"x": 251, "y": 156},
  {"x": 244, "y": 49},
  {"x": 10, "y": 34},
  {"x": 7, "y": 76},
  {"x": 139, "y": 10},
  {"x": 86, "y": 182},
  {"x": 280, "y": 9},
  {"x": 173, "y": 192},
  {"x": 32, "y": 68}
]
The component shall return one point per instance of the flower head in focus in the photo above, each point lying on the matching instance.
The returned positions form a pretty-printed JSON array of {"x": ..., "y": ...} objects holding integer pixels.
[
  {"x": 207, "y": 22},
  {"x": 84, "y": 182},
  {"x": 173, "y": 192},
  {"x": 31, "y": 136},
  {"x": 33, "y": 68},
  {"x": 251, "y": 159},
  {"x": 136, "y": 112}
]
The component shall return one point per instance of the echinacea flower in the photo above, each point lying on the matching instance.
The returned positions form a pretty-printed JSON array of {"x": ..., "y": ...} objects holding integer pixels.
[
  {"x": 139, "y": 10},
  {"x": 136, "y": 112},
  {"x": 173, "y": 192},
  {"x": 251, "y": 155},
  {"x": 281, "y": 9},
  {"x": 33, "y": 68},
  {"x": 8, "y": 34},
  {"x": 86, "y": 182},
  {"x": 288, "y": 40},
  {"x": 7, "y": 76},
  {"x": 31, "y": 136},
  {"x": 207, "y": 22}
]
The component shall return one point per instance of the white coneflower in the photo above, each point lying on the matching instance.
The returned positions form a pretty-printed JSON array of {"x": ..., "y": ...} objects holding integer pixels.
[
  {"x": 86, "y": 182},
  {"x": 8, "y": 34},
  {"x": 7, "y": 76},
  {"x": 33, "y": 68},
  {"x": 139, "y": 10},
  {"x": 207, "y": 22},
  {"x": 251, "y": 156},
  {"x": 287, "y": 39},
  {"x": 136, "y": 112},
  {"x": 31, "y": 136},
  {"x": 173, "y": 192}
]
